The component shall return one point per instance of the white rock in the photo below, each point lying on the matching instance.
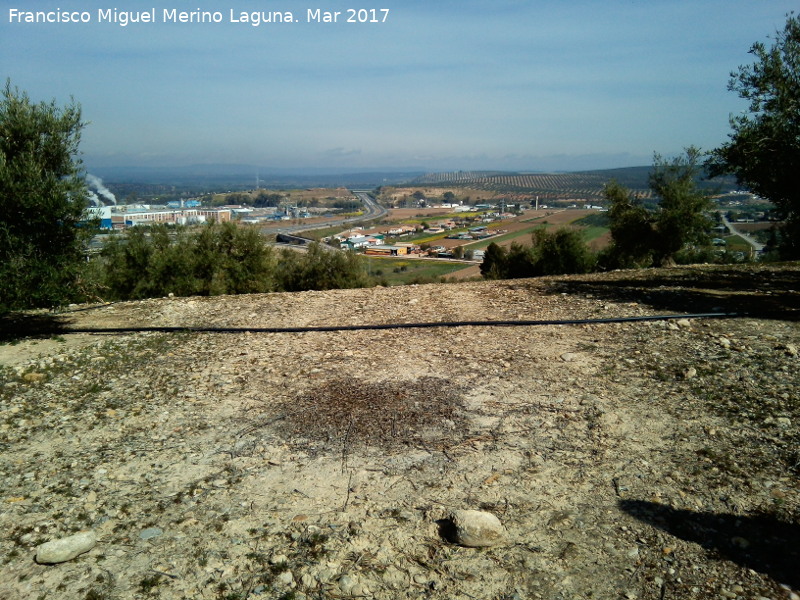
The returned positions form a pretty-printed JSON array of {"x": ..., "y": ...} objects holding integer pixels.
[
  {"x": 475, "y": 528},
  {"x": 58, "y": 551}
]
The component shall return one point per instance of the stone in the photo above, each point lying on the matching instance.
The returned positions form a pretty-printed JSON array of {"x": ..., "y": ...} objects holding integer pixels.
[
  {"x": 59, "y": 551},
  {"x": 477, "y": 529},
  {"x": 150, "y": 532},
  {"x": 346, "y": 584}
]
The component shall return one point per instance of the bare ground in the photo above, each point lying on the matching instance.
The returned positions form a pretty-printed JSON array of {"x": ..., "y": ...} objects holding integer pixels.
[{"x": 637, "y": 459}]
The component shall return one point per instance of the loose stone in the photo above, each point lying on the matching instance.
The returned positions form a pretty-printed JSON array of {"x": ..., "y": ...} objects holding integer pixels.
[
  {"x": 475, "y": 528},
  {"x": 150, "y": 532},
  {"x": 59, "y": 551}
]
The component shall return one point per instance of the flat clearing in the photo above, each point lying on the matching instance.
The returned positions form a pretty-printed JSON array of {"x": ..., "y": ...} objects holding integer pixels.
[{"x": 652, "y": 459}]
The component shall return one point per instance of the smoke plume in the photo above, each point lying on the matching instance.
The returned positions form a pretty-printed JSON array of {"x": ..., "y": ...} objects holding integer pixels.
[{"x": 97, "y": 183}]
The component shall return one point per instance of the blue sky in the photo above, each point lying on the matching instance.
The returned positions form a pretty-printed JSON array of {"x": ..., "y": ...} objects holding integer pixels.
[{"x": 441, "y": 85}]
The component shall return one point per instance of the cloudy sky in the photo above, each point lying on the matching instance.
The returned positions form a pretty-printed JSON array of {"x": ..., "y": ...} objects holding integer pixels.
[{"x": 440, "y": 85}]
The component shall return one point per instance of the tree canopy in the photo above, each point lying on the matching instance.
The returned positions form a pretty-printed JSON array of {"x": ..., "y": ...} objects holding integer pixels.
[
  {"x": 641, "y": 237},
  {"x": 43, "y": 196},
  {"x": 763, "y": 150}
]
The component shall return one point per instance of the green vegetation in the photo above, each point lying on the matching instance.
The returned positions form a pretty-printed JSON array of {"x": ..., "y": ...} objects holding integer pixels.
[
  {"x": 764, "y": 147},
  {"x": 398, "y": 271},
  {"x": 592, "y": 233},
  {"x": 319, "y": 269},
  {"x": 505, "y": 237},
  {"x": 598, "y": 219},
  {"x": 42, "y": 199},
  {"x": 643, "y": 237},
  {"x": 562, "y": 251},
  {"x": 214, "y": 260}
]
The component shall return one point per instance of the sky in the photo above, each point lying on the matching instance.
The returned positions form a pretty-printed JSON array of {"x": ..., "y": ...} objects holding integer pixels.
[{"x": 436, "y": 85}]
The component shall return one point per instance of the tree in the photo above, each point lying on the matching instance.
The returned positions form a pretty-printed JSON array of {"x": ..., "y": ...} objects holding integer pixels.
[
  {"x": 211, "y": 260},
  {"x": 43, "y": 196},
  {"x": 320, "y": 269},
  {"x": 681, "y": 219},
  {"x": 641, "y": 237},
  {"x": 631, "y": 229},
  {"x": 561, "y": 252},
  {"x": 495, "y": 262},
  {"x": 764, "y": 147}
]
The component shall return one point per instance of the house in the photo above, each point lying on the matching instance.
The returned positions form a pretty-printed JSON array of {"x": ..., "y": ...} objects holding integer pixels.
[
  {"x": 358, "y": 241},
  {"x": 401, "y": 230},
  {"x": 386, "y": 250}
]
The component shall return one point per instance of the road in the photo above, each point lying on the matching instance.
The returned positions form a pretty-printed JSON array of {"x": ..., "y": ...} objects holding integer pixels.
[
  {"x": 372, "y": 212},
  {"x": 758, "y": 247}
]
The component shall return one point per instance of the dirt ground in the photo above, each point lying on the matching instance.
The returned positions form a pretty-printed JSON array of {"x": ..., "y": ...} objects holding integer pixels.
[{"x": 280, "y": 449}]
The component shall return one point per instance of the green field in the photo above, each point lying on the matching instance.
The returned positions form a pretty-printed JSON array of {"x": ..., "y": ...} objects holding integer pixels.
[
  {"x": 497, "y": 239},
  {"x": 403, "y": 271},
  {"x": 593, "y": 232},
  {"x": 737, "y": 243}
]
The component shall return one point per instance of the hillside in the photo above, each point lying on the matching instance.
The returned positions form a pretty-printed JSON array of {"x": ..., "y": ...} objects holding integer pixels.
[
  {"x": 579, "y": 185},
  {"x": 631, "y": 459}
]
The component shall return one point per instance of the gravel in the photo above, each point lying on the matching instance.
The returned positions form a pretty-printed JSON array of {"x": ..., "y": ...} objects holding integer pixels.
[{"x": 653, "y": 459}]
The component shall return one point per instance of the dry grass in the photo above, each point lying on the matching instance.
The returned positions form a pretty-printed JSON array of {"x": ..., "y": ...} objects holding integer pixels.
[{"x": 389, "y": 414}]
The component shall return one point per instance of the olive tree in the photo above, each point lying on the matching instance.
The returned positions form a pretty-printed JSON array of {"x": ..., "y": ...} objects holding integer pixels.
[
  {"x": 43, "y": 196},
  {"x": 642, "y": 237},
  {"x": 763, "y": 150}
]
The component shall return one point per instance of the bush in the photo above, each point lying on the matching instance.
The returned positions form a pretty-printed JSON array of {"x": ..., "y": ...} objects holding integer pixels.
[
  {"x": 561, "y": 252},
  {"x": 556, "y": 253},
  {"x": 320, "y": 269},
  {"x": 214, "y": 260}
]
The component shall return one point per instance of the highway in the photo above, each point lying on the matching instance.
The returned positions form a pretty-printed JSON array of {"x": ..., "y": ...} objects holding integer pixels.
[{"x": 372, "y": 212}]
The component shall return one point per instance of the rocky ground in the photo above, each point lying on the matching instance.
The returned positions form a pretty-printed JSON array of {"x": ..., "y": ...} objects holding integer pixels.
[{"x": 636, "y": 459}]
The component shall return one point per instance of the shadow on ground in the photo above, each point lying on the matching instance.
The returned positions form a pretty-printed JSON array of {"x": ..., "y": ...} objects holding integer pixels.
[
  {"x": 769, "y": 293},
  {"x": 759, "y": 542},
  {"x": 16, "y": 326}
]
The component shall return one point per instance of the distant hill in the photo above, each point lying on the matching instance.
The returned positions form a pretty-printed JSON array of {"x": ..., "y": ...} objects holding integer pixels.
[
  {"x": 197, "y": 179},
  {"x": 584, "y": 185},
  {"x": 237, "y": 177}
]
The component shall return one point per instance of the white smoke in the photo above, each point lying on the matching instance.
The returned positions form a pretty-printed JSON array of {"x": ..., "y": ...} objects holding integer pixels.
[
  {"x": 94, "y": 199},
  {"x": 97, "y": 184}
]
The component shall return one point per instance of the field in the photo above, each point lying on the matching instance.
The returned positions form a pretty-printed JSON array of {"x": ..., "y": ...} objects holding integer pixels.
[
  {"x": 587, "y": 185},
  {"x": 399, "y": 271},
  {"x": 520, "y": 230}
]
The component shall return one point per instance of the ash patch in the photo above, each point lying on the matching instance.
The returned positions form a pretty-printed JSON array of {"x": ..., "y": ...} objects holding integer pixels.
[{"x": 390, "y": 415}]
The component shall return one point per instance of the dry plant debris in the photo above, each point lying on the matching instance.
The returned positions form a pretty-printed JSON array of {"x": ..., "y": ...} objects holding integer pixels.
[{"x": 389, "y": 415}]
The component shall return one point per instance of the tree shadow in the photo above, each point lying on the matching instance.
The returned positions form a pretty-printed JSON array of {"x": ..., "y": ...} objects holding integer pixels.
[
  {"x": 16, "y": 326},
  {"x": 770, "y": 293},
  {"x": 760, "y": 542}
]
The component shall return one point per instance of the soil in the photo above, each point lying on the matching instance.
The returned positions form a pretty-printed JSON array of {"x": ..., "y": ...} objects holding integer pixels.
[{"x": 626, "y": 458}]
